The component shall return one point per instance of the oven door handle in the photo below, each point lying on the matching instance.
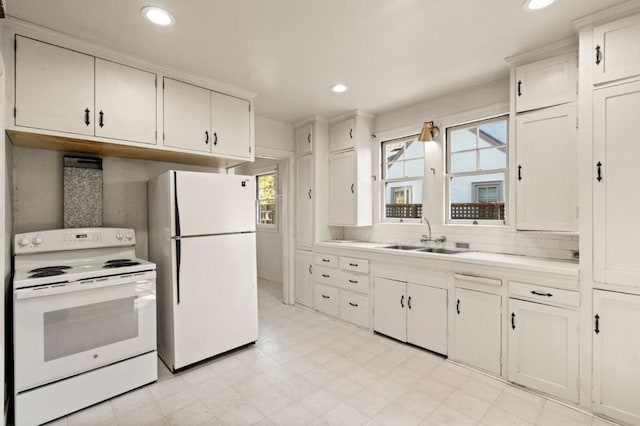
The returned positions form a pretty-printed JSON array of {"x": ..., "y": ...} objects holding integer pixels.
[{"x": 55, "y": 289}]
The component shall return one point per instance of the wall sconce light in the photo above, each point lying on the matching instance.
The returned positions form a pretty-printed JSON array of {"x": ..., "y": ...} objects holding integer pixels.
[{"x": 429, "y": 132}]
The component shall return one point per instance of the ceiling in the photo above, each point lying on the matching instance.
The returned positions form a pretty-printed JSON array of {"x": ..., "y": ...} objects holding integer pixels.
[{"x": 391, "y": 53}]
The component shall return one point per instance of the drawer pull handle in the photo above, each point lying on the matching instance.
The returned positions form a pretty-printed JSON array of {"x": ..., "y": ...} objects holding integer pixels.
[
  {"x": 513, "y": 320},
  {"x": 353, "y": 281},
  {"x": 519, "y": 88},
  {"x": 326, "y": 275},
  {"x": 598, "y": 55},
  {"x": 355, "y": 265},
  {"x": 326, "y": 260},
  {"x": 537, "y": 293},
  {"x": 597, "y": 330},
  {"x": 355, "y": 305},
  {"x": 325, "y": 296}
]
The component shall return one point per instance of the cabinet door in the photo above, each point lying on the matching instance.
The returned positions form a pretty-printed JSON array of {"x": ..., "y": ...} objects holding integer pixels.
[
  {"x": 389, "y": 308},
  {"x": 304, "y": 201},
  {"x": 125, "y": 103},
  {"x": 427, "y": 317},
  {"x": 304, "y": 278},
  {"x": 342, "y": 189},
  {"x": 342, "y": 135},
  {"x": 187, "y": 116},
  {"x": 543, "y": 348},
  {"x": 616, "y": 226},
  {"x": 616, "y": 355},
  {"x": 54, "y": 88},
  {"x": 477, "y": 330},
  {"x": 546, "y": 83},
  {"x": 304, "y": 140},
  {"x": 616, "y": 53},
  {"x": 547, "y": 172},
  {"x": 230, "y": 125}
]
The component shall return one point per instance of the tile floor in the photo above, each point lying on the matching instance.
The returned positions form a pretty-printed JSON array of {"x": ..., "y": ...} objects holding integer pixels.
[{"x": 309, "y": 369}]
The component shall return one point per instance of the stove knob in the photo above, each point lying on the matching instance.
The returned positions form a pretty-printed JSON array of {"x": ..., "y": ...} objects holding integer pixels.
[
  {"x": 119, "y": 236},
  {"x": 37, "y": 241},
  {"x": 129, "y": 236},
  {"x": 24, "y": 241}
]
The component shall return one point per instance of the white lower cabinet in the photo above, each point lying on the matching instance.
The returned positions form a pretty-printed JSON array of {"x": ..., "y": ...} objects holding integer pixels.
[
  {"x": 326, "y": 299},
  {"x": 304, "y": 278},
  {"x": 543, "y": 349},
  {"x": 477, "y": 329},
  {"x": 616, "y": 355},
  {"x": 354, "y": 308},
  {"x": 413, "y": 313}
]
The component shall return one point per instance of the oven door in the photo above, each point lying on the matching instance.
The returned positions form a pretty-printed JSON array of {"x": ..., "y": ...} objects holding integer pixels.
[{"x": 62, "y": 330}]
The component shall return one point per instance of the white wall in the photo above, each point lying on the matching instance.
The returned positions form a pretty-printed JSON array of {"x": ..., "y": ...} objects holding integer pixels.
[
  {"x": 465, "y": 105},
  {"x": 272, "y": 134}
]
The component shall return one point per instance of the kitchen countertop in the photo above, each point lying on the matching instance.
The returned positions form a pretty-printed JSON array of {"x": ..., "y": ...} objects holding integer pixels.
[{"x": 555, "y": 266}]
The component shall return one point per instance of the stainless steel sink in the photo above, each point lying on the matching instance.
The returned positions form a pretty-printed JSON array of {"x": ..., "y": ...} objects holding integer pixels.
[
  {"x": 439, "y": 250},
  {"x": 403, "y": 247}
]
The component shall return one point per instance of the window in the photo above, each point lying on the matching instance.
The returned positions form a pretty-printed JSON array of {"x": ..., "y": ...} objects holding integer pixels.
[
  {"x": 476, "y": 170},
  {"x": 403, "y": 167},
  {"x": 267, "y": 187}
]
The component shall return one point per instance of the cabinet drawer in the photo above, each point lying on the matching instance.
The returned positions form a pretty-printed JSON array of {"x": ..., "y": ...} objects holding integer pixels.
[
  {"x": 473, "y": 282},
  {"x": 544, "y": 294},
  {"x": 326, "y": 275},
  {"x": 354, "y": 264},
  {"x": 325, "y": 260},
  {"x": 325, "y": 299},
  {"x": 354, "y": 308},
  {"x": 354, "y": 282}
]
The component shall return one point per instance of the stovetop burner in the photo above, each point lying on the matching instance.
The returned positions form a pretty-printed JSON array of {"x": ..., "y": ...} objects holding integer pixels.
[
  {"x": 47, "y": 273},
  {"x": 121, "y": 264},
  {"x": 49, "y": 268},
  {"x": 118, "y": 260}
]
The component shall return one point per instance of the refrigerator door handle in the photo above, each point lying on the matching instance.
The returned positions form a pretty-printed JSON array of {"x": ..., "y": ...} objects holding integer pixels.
[
  {"x": 175, "y": 206},
  {"x": 178, "y": 256}
]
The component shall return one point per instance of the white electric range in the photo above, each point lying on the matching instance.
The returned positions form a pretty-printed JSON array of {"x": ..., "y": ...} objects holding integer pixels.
[{"x": 84, "y": 320}]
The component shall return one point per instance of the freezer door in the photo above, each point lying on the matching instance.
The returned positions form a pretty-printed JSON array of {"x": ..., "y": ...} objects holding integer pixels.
[
  {"x": 218, "y": 308},
  {"x": 209, "y": 203}
]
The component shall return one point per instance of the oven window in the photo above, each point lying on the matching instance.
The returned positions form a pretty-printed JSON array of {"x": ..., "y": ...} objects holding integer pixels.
[{"x": 74, "y": 330}]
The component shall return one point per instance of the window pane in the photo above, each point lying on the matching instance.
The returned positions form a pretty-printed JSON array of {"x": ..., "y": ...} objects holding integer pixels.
[
  {"x": 463, "y": 139},
  {"x": 403, "y": 199},
  {"x": 395, "y": 170},
  {"x": 493, "y": 158},
  {"x": 415, "y": 168},
  {"x": 496, "y": 132},
  {"x": 478, "y": 197},
  {"x": 414, "y": 149},
  {"x": 394, "y": 151},
  {"x": 463, "y": 162}
]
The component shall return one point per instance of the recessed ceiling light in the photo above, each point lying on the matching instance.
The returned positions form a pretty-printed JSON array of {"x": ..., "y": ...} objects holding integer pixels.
[
  {"x": 530, "y": 5},
  {"x": 339, "y": 88},
  {"x": 158, "y": 16}
]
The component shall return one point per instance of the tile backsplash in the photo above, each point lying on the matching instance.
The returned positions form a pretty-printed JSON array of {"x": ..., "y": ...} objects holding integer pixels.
[{"x": 493, "y": 239}]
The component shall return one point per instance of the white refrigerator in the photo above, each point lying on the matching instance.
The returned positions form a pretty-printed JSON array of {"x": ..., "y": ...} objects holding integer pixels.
[{"x": 202, "y": 238}]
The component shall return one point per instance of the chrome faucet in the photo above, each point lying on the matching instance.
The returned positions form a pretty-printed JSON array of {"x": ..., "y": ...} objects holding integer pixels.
[{"x": 427, "y": 237}]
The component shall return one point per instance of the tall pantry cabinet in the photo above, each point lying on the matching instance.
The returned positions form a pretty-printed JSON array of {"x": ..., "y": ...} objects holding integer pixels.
[
  {"x": 311, "y": 156},
  {"x": 610, "y": 233}
]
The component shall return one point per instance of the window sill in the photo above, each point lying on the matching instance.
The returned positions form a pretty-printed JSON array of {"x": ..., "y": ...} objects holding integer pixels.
[{"x": 272, "y": 229}]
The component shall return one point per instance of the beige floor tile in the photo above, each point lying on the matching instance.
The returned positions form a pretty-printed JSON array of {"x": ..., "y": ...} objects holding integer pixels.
[
  {"x": 224, "y": 401},
  {"x": 270, "y": 401},
  {"x": 396, "y": 415},
  {"x": 368, "y": 402},
  {"x": 468, "y": 405},
  {"x": 419, "y": 403},
  {"x": 319, "y": 402},
  {"x": 177, "y": 401},
  {"x": 343, "y": 414},
  {"x": 520, "y": 403},
  {"x": 343, "y": 387},
  {"x": 245, "y": 414},
  {"x": 130, "y": 400},
  {"x": 479, "y": 389},
  {"x": 167, "y": 387},
  {"x": 444, "y": 415},
  {"x": 435, "y": 389},
  {"x": 145, "y": 414},
  {"x": 498, "y": 417},
  {"x": 95, "y": 415},
  {"x": 196, "y": 414}
]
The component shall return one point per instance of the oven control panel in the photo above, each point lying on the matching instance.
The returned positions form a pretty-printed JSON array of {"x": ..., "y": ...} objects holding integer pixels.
[{"x": 73, "y": 239}]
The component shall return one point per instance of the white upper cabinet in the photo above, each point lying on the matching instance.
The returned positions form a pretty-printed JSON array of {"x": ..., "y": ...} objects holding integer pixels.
[
  {"x": 304, "y": 140},
  {"x": 543, "y": 348},
  {"x": 187, "y": 116},
  {"x": 125, "y": 102},
  {"x": 477, "y": 329},
  {"x": 304, "y": 201},
  {"x": 230, "y": 124},
  {"x": 616, "y": 50},
  {"x": 545, "y": 83},
  {"x": 616, "y": 228},
  {"x": 342, "y": 135},
  {"x": 54, "y": 88},
  {"x": 616, "y": 355},
  {"x": 546, "y": 171},
  {"x": 343, "y": 189}
]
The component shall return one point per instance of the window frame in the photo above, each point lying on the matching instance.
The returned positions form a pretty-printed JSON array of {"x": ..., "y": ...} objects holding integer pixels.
[
  {"x": 448, "y": 176},
  {"x": 383, "y": 181},
  {"x": 266, "y": 226}
]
